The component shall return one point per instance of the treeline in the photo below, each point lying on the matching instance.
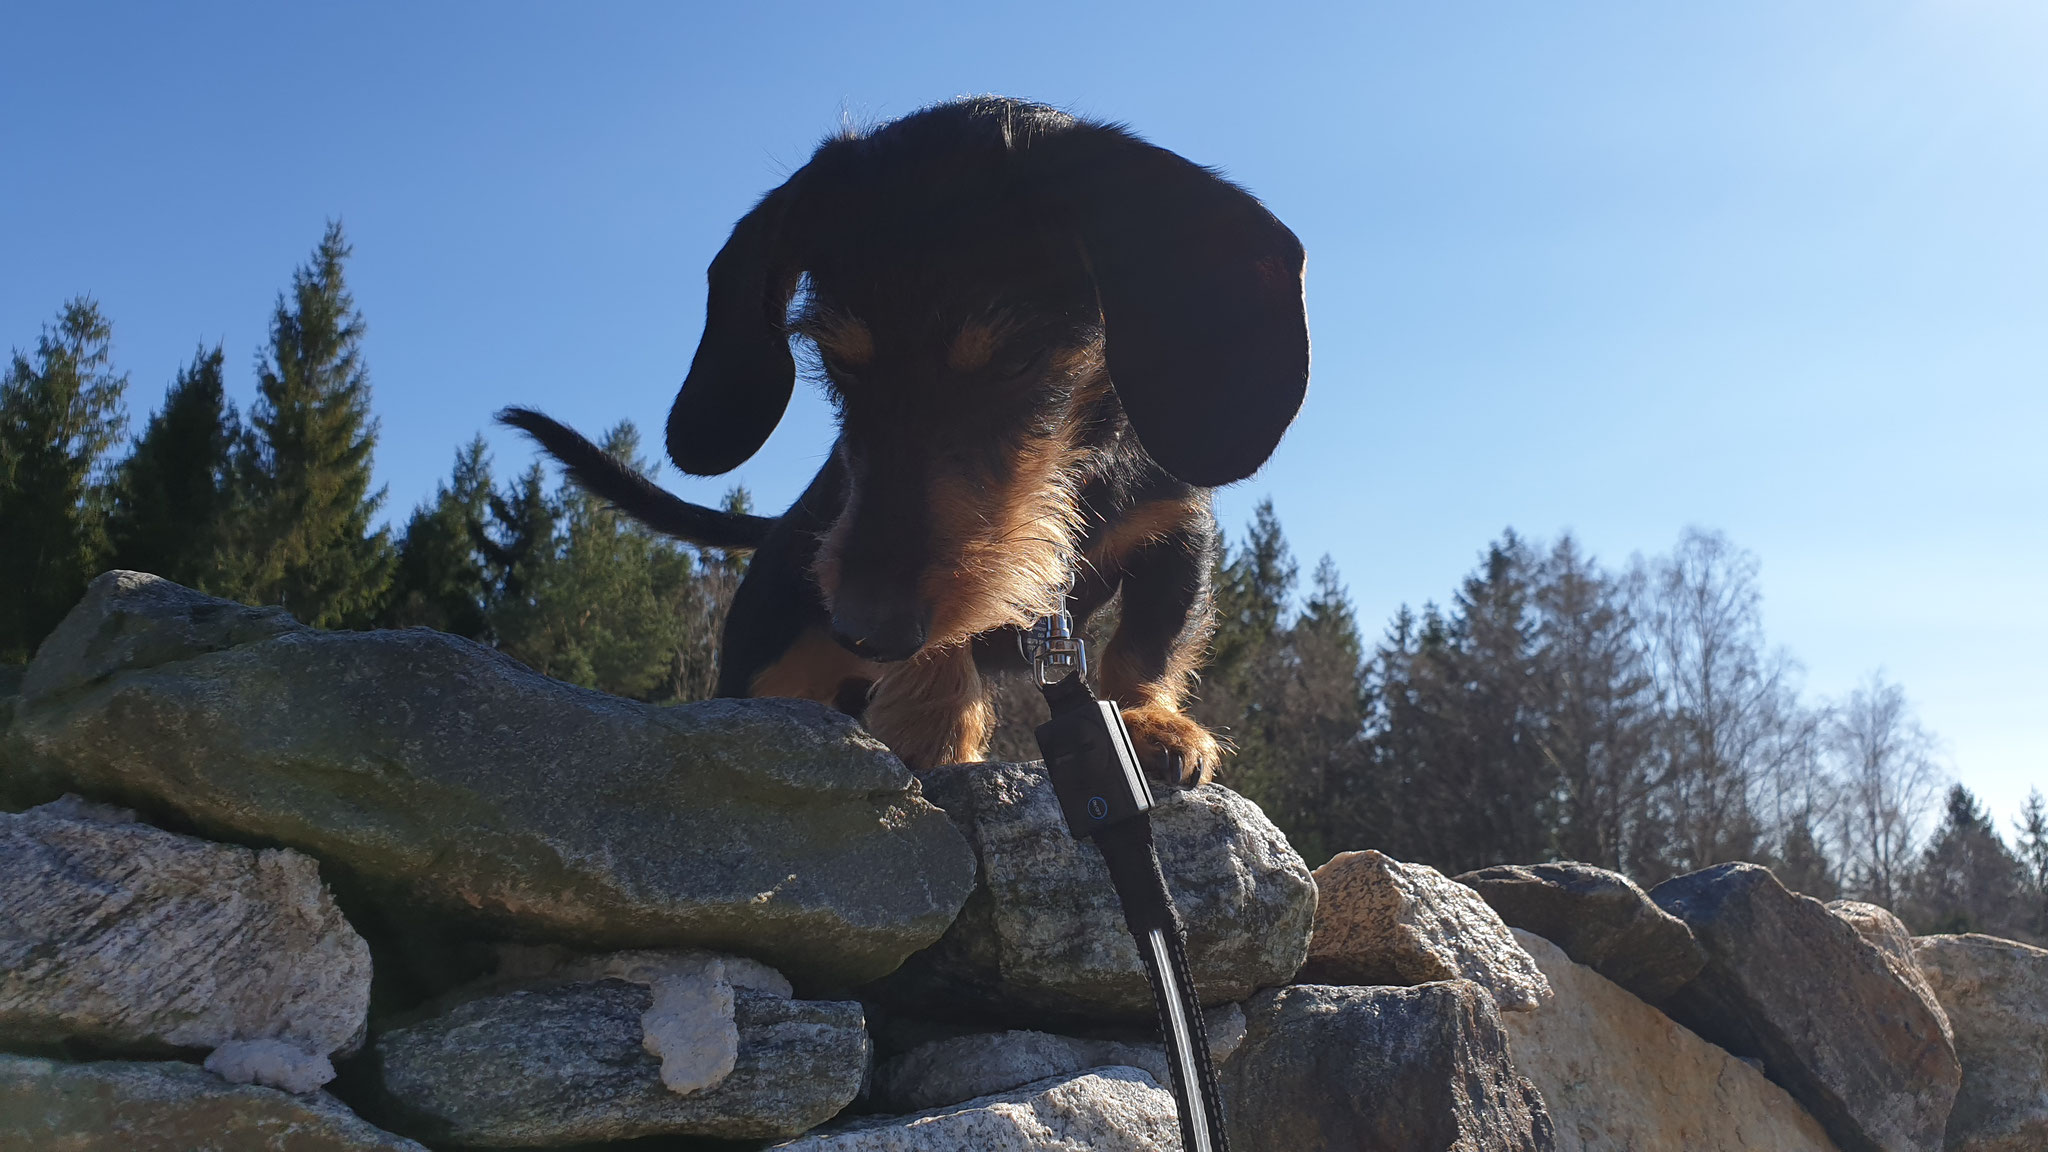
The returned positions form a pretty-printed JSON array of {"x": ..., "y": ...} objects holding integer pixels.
[
  {"x": 1636, "y": 719},
  {"x": 277, "y": 508},
  {"x": 1553, "y": 708}
]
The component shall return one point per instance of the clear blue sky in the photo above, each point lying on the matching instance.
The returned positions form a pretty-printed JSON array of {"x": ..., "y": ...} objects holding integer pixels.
[{"x": 1779, "y": 269}]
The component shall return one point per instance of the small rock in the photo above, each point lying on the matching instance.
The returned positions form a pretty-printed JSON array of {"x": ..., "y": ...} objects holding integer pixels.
[
  {"x": 1618, "y": 1076},
  {"x": 129, "y": 938},
  {"x": 1107, "y": 1110},
  {"x": 1891, "y": 938},
  {"x": 691, "y": 1027},
  {"x": 1996, "y": 994},
  {"x": 274, "y": 1063},
  {"x": 1383, "y": 1069},
  {"x": 943, "y": 1072},
  {"x": 1043, "y": 935},
  {"x": 569, "y": 1064},
  {"x": 167, "y": 1106},
  {"x": 1600, "y": 919},
  {"x": 1794, "y": 985},
  {"x": 1379, "y": 921},
  {"x": 451, "y": 783}
]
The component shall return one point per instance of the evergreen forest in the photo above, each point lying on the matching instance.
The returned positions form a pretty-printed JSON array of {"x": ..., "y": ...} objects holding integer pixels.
[{"x": 1551, "y": 707}]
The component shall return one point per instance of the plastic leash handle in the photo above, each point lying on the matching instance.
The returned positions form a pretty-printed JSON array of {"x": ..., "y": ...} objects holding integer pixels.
[{"x": 1104, "y": 797}]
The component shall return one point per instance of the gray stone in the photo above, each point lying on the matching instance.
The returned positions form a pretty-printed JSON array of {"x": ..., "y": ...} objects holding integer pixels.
[
  {"x": 1996, "y": 994},
  {"x": 570, "y": 1064},
  {"x": 1794, "y": 985},
  {"x": 450, "y": 781},
  {"x": 1600, "y": 919},
  {"x": 1890, "y": 936},
  {"x": 1619, "y": 1076},
  {"x": 1380, "y": 921},
  {"x": 136, "y": 940},
  {"x": 1107, "y": 1110},
  {"x": 167, "y": 1106},
  {"x": 1043, "y": 933},
  {"x": 1382, "y": 1069},
  {"x": 943, "y": 1072}
]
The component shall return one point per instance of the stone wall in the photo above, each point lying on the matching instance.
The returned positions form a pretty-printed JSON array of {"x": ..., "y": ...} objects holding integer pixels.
[{"x": 273, "y": 887}]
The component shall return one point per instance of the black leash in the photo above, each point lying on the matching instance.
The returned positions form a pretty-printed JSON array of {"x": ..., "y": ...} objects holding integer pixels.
[{"x": 1104, "y": 796}]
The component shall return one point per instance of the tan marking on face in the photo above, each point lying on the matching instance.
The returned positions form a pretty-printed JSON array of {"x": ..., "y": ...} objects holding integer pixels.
[
  {"x": 816, "y": 667},
  {"x": 933, "y": 709},
  {"x": 972, "y": 348},
  {"x": 842, "y": 339},
  {"x": 1003, "y": 552}
]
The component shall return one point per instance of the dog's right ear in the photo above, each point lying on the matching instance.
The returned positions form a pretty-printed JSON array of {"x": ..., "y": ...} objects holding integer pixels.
[{"x": 741, "y": 378}]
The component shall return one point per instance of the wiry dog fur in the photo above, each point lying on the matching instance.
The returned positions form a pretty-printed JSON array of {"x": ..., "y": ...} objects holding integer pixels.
[{"x": 1046, "y": 341}]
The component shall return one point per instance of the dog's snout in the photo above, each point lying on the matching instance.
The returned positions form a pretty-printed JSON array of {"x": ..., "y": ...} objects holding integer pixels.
[{"x": 881, "y": 633}]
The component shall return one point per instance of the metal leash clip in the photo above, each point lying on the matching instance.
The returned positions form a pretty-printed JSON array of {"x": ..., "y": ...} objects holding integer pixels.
[{"x": 1052, "y": 648}]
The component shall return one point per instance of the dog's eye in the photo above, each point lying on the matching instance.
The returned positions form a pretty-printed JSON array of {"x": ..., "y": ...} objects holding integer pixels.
[{"x": 1019, "y": 363}]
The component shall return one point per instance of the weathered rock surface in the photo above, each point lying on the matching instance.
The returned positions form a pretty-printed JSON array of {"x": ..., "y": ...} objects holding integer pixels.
[
  {"x": 1380, "y": 1069},
  {"x": 1108, "y": 1110},
  {"x": 167, "y": 1106},
  {"x": 570, "y": 1063},
  {"x": 1619, "y": 1076},
  {"x": 448, "y": 779},
  {"x": 943, "y": 1072},
  {"x": 1600, "y": 919},
  {"x": 132, "y": 939},
  {"x": 1889, "y": 935},
  {"x": 1996, "y": 994},
  {"x": 1380, "y": 921},
  {"x": 1794, "y": 985},
  {"x": 1043, "y": 932}
]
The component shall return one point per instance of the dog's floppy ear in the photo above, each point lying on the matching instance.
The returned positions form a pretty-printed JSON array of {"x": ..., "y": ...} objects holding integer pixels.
[
  {"x": 1201, "y": 292},
  {"x": 741, "y": 378}
]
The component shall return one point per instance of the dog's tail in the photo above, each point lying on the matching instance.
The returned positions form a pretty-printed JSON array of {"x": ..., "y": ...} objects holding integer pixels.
[{"x": 602, "y": 475}]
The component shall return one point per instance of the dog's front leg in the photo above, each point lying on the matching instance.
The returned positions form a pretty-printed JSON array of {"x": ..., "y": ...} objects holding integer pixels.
[
  {"x": 932, "y": 709},
  {"x": 1149, "y": 665}
]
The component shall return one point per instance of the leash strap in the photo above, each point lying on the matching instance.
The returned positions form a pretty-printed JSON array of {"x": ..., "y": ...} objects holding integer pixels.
[{"x": 1104, "y": 797}]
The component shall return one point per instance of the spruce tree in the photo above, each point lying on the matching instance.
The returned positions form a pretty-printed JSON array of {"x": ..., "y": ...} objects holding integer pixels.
[
  {"x": 2032, "y": 849},
  {"x": 441, "y": 581},
  {"x": 1968, "y": 881},
  {"x": 60, "y": 413},
  {"x": 170, "y": 494},
  {"x": 303, "y": 535}
]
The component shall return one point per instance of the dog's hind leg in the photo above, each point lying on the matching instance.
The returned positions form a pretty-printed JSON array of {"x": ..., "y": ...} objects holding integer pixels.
[{"x": 933, "y": 709}]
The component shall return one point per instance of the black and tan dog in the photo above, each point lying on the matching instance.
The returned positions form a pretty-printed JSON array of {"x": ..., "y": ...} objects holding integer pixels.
[{"x": 1046, "y": 341}]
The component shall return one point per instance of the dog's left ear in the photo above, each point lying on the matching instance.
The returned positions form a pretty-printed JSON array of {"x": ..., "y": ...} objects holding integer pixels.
[{"x": 1201, "y": 290}]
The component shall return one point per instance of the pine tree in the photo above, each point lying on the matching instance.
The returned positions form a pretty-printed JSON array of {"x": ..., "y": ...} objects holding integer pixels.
[
  {"x": 605, "y": 608},
  {"x": 1968, "y": 881},
  {"x": 171, "y": 493},
  {"x": 2032, "y": 846},
  {"x": 303, "y": 535},
  {"x": 441, "y": 581},
  {"x": 1593, "y": 712},
  {"x": 59, "y": 416}
]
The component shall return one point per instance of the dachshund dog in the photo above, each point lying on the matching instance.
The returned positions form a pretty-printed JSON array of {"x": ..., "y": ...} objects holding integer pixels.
[{"x": 1046, "y": 341}]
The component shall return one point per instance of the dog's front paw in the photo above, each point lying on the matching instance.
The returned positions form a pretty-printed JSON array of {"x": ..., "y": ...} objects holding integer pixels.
[{"x": 1172, "y": 747}]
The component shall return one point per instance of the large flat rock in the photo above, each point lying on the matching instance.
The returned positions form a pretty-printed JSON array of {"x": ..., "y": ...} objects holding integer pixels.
[
  {"x": 1107, "y": 1110},
  {"x": 1600, "y": 919},
  {"x": 447, "y": 779},
  {"x": 1043, "y": 935},
  {"x": 167, "y": 1106},
  {"x": 1620, "y": 1076},
  {"x": 1381, "y": 921},
  {"x": 1996, "y": 994},
  {"x": 129, "y": 939},
  {"x": 1419, "y": 1069},
  {"x": 572, "y": 1063},
  {"x": 1794, "y": 985}
]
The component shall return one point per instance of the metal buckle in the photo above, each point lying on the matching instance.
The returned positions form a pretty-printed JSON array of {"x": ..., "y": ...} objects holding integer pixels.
[{"x": 1052, "y": 648}]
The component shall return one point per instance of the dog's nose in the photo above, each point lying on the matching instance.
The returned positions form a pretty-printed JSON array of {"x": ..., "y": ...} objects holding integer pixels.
[{"x": 884, "y": 635}]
